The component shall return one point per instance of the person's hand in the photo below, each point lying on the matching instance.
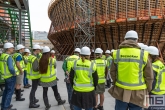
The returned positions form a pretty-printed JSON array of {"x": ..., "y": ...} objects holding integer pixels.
[{"x": 67, "y": 73}]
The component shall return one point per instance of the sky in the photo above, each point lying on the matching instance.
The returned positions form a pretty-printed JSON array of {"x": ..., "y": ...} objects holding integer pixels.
[{"x": 39, "y": 15}]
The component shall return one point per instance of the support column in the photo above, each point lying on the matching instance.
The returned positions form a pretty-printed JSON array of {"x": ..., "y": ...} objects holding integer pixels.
[{"x": 20, "y": 27}]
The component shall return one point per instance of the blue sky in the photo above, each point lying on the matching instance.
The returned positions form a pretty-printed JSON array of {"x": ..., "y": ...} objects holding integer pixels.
[{"x": 39, "y": 15}]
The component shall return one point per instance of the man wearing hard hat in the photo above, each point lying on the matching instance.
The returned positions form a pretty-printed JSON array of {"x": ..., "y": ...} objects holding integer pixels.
[
  {"x": 101, "y": 68},
  {"x": 25, "y": 80},
  {"x": 159, "y": 75},
  {"x": 9, "y": 72},
  {"x": 109, "y": 61},
  {"x": 33, "y": 74},
  {"x": 52, "y": 53},
  {"x": 21, "y": 66},
  {"x": 132, "y": 74},
  {"x": 67, "y": 68}
]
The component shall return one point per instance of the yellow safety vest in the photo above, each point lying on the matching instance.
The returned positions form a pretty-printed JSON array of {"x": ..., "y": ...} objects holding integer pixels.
[
  {"x": 30, "y": 73},
  {"x": 51, "y": 73},
  {"x": 4, "y": 67},
  {"x": 130, "y": 64},
  {"x": 103, "y": 57},
  {"x": 26, "y": 59},
  {"x": 40, "y": 55},
  {"x": 109, "y": 61},
  {"x": 83, "y": 80},
  {"x": 159, "y": 88},
  {"x": 70, "y": 61},
  {"x": 100, "y": 68},
  {"x": 22, "y": 64}
]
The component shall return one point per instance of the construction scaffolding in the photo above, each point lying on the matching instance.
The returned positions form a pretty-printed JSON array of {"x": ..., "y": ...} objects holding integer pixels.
[
  {"x": 15, "y": 24},
  {"x": 84, "y": 32},
  {"x": 113, "y": 18}
]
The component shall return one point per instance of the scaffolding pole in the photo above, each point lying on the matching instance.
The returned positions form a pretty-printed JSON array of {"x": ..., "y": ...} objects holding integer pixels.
[{"x": 84, "y": 23}]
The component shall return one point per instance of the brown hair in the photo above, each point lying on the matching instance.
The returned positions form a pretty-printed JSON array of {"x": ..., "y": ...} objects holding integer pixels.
[{"x": 43, "y": 63}]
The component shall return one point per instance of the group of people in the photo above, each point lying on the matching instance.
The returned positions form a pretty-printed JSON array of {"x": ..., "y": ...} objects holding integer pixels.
[
  {"x": 135, "y": 71},
  {"x": 19, "y": 66}
]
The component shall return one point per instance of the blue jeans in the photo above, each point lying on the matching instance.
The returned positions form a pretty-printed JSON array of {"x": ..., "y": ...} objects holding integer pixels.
[
  {"x": 8, "y": 92},
  {"x": 25, "y": 80},
  {"x": 69, "y": 90},
  {"x": 120, "y": 105},
  {"x": 78, "y": 108}
]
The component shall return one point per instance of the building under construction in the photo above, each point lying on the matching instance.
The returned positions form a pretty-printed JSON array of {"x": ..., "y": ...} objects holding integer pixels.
[
  {"x": 109, "y": 19},
  {"x": 15, "y": 22}
]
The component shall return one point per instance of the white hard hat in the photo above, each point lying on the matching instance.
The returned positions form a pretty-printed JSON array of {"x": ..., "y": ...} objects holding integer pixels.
[
  {"x": 112, "y": 50},
  {"x": 98, "y": 50},
  {"x": 131, "y": 34},
  {"x": 52, "y": 51},
  {"x": 77, "y": 50},
  {"x": 108, "y": 51},
  {"x": 153, "y": 50},
  {"x": 85, "y": 51},
  {"x": 46, "y": 49},
  {"x": 8, "y": 45},
  {"x": 19, "y": 46},
  {"x": 142, "y": 46},
  {"x": 41, "y": 47},
  {"x": 36, "y": 46},
  {"x": 27, "y": 50}
]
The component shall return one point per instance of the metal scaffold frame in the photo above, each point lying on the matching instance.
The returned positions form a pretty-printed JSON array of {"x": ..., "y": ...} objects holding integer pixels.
[
  {"x": 84, "y": 17},
  {"x": 15, "y": 17}
]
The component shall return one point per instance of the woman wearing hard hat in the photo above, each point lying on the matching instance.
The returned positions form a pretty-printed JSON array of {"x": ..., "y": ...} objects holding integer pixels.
[
  {"x": 158, "y": 86},
  {"x": 47, "y": 67},
  {"x": 53, "y": 56},
  {"x": 84, "y": 79},
  {"x": 25, "y": 57}
]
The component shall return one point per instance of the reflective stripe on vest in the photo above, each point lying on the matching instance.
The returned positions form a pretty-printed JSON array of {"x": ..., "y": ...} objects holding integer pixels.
[
  {"x": 30, "y": 73},
  {"x": 140, "y": 61},
  {"x": 51, "y": 64},
  {"x": 159, "y": 81},
  {"x": 6, "y": 73},
  {"x": 159, "y": 68},
  {"x": 109, "y": 60},
  {"x": 31, "y": 68},
  {"x": 155, "y": 66},
  {"x": 89, "y": 70},
  {"x": 21, "y": 62},
  {"x": 101, "y": 79}
]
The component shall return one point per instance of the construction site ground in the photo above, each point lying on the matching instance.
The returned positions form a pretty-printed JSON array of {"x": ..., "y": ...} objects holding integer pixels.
[{"x": 24, "y": 105}]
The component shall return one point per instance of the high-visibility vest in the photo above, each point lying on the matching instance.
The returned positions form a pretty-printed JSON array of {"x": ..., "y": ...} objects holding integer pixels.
[
  {"x": 103, "y": 57},
  {"x": 26, "y": 59},
  {"x": 70, "y": 61},
  {"x": 100, "y": 68},
  {"x": 51, "y": 72},
  {"x": 40, "y": 55},
  {"x": 159, "y": 88},
  {"x": 22, "y": 64},
  {"x": 109, "y": 61},
  {"x": 4, "y": 67},
  {"x": 130, "y": 64},
  {"x": 83, "y": 81},
  {"x": 30, "y": 73}
]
